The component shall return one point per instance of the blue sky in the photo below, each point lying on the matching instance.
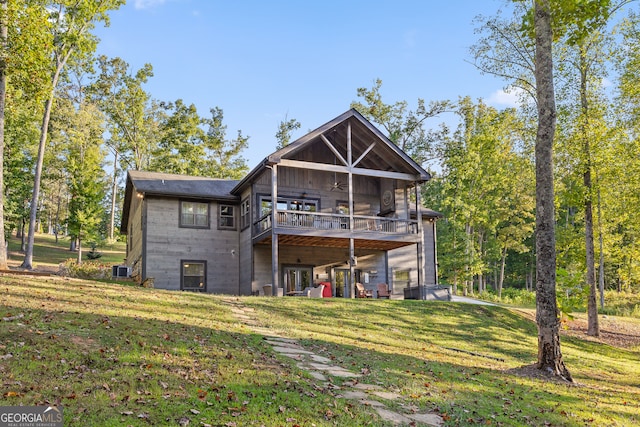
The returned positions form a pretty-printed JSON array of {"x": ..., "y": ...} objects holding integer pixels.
[{"x": 262, "y": 61}]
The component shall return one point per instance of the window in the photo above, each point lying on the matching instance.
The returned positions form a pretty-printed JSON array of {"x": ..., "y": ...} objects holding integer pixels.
[
  {"x": 342, "y": 207},
  {"x": 289, "y": 204},
  {"x": 401, "y": 279},
  {"x": 245, "y": 214},
  {"x": 193, "y": 276},
  {"x": 194, "y": 214},
  {"x": 227, "y": 217}
]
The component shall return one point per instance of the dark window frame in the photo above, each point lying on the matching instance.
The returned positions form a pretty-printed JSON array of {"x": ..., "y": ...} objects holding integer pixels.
[
  {"x": 182, "y": 224},
  {"x": 245, "y": 213},
  {"x": 182, "y": 275},
  {"x": 221, "y": 207}
]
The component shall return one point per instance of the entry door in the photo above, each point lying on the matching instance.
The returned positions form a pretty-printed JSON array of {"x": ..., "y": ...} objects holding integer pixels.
[
  {"x": 343, "y": 281},
  {"x": 297, "y": 278}
]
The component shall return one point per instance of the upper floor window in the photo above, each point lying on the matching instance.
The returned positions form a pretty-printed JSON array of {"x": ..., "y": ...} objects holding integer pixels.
[
  {"x": 227, "y": 218},
  {"x": 245, "y": 214},
  {"x": 194, "y": 214},
  {"x": 288, "y": 204}
]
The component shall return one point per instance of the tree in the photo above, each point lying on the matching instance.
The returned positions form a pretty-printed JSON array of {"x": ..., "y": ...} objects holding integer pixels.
[
  {"x": 180, "y": 149},
  {"x": 4, "y": 22},
  {"x": 224, "y": 159},
  {"x": 132, "y": 118},
  {"x": 23, "y": 34},
  {"x": 549, "y": 352},
  {"x": 283, "y": 136},
  {"x": 71, "y": 26},
  {"x": 404, "y": 127},
  {"x": 79, "y": 127}
]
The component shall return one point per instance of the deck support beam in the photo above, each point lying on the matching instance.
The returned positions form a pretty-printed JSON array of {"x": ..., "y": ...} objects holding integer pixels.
[{"x": 274, "y": 236}]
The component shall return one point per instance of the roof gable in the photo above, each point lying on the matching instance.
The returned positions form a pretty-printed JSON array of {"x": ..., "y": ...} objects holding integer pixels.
[{"x": 370, "y": 149}]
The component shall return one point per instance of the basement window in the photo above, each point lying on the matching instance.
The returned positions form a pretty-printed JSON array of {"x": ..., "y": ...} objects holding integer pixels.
[{"x": 193, "y": 276}]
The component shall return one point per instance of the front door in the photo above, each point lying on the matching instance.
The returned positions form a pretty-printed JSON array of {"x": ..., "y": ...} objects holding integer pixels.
[
  {"x": 296, "y": 279},
  {"x": 343, "y": 281}
]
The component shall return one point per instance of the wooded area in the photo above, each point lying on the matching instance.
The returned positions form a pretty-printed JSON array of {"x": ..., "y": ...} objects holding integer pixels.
[{"x": 72, "y": 121}]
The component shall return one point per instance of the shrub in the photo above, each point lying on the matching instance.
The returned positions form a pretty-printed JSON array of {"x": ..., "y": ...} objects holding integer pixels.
[{"x": 86, "y": 270}]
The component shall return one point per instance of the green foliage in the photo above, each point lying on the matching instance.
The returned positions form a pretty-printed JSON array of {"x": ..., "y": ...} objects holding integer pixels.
[
  {"x": 483, "y": 191},
  {"x": 404, "y": 127},
  {"x": 93, "y": 254},
  {"x": 86, "y": 270},
  {"x": 283, "y": 136}
]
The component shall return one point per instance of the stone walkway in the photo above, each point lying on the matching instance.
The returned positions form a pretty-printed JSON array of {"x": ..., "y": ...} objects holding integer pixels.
[{"x": 321, "y": 368}]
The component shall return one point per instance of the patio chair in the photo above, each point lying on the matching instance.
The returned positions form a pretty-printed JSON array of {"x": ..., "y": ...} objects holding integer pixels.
[
  {"x": 362, "y": 292},
  {"x": 383, "y": 291},
  {"x": 315, "y": 292}
]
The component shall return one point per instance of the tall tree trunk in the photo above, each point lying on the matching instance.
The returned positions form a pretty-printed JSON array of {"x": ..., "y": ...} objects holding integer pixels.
[
  {"x": 503, "y": 261},
  {"x": 28, "y": 257},
  {"x": 549, "y": 353},
  {"x": 4, "y": 22},
  {"x": 114, "y": 189},
  {"x": 601, "y": 243},
  {"x": 23, "y": 236},
  {"x": 79, "y": 251},
  {"x": 468, "y": 281},
  {"x": 593, "y": 328}
]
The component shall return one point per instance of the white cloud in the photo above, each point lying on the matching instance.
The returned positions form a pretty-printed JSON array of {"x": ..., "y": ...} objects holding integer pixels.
[
  {"x": 147, "y": 4},
  {"x": 508, "y": 98}
]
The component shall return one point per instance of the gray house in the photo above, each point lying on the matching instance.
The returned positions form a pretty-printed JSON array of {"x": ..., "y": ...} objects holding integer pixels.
[{"x": 337, "y": 207}]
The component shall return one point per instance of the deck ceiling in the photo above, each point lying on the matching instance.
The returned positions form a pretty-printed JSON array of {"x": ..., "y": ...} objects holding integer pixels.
[
  {"x": 335, "y": 242},
  {"x": 382, "y": 157}
]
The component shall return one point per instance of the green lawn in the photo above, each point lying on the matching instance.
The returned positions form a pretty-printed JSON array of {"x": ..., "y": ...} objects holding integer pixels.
[
  {"x": 123, "y": 355},
  {"x": 48, "y": 254}
]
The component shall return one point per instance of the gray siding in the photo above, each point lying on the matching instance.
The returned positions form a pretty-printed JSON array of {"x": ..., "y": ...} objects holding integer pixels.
[
  {"x": 168, "y": 244},
  {"x": 134, "y": 238}
]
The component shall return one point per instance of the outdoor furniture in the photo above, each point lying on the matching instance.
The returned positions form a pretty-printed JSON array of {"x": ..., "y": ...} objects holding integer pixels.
[
  {"x": 315, "y": 292},
  {"x": 362, "y": 292},
  {"x": 327, "y": 291},
  {"x": 383, "y": 291}
]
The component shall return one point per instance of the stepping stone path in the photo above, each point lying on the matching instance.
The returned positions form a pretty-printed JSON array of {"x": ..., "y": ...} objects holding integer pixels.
[{"x": 322, "y": 368}]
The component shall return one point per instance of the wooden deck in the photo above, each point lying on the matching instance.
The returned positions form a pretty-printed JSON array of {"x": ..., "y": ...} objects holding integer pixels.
[{"x": 335, "y": 230}]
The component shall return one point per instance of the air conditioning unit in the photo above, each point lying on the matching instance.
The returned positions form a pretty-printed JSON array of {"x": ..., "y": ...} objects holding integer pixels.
[{"x": 120, "y": 271}]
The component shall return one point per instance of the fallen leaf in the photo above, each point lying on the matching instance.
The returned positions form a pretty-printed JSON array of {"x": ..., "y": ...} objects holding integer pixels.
[{"x": 194, "y": 411}]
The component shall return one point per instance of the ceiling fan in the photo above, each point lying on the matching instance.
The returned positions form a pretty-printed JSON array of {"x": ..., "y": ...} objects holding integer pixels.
[{"x": 336, "y": 185}]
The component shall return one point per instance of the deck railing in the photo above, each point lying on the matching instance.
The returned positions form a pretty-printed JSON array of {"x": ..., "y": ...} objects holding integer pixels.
[{"x": 324, "y": 221}]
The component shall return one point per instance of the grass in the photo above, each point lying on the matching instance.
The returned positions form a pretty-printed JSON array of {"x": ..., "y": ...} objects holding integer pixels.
[
  {"x": 121, "y": 355},
  {"x": 48, "y": 254}
]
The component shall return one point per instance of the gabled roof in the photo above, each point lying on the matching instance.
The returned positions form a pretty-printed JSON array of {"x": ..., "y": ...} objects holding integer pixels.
[
  {"x": 384, "y": 156},
  {"x": 171, "y": 185}
]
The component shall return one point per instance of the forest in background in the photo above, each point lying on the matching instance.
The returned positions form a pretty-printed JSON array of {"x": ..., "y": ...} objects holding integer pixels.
[{"x": 85, "y": 119}]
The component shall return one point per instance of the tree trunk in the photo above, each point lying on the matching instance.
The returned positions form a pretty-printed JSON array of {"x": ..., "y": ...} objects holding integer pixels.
[
  {"x": 114, "y": 190},
  {"x": 4, "y": 22},
  {"x": 28, "y": 257},
  {"x": 601, "y": 243},
  {"x": 592, "y": 311},
  {"x": 503, "y": 261},
  {"x": 79, "y": 251},
  {"x": 23, "y": 236},
  {"x": 549, "y": 354}
]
